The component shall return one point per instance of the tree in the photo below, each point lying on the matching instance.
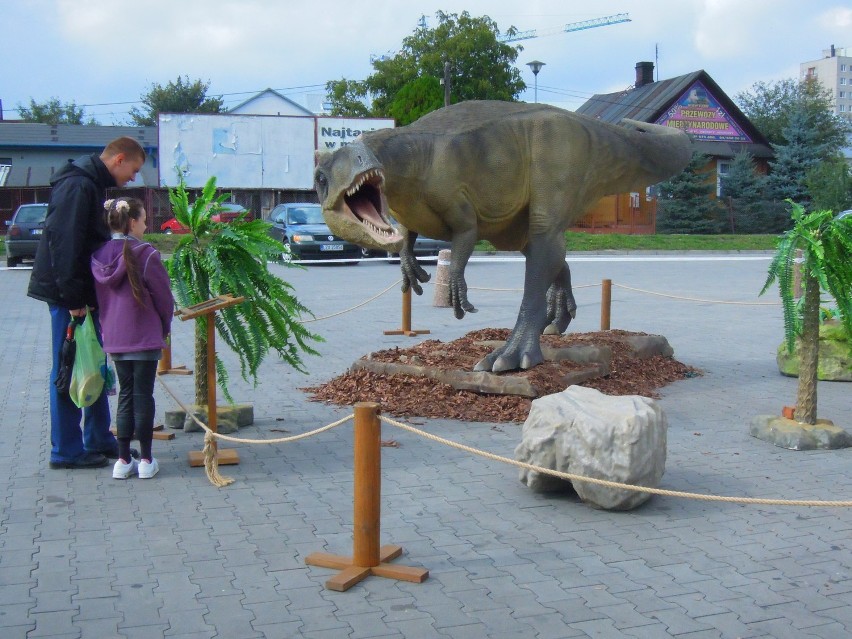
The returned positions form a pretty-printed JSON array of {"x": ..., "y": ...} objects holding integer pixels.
[
  {"x": 181, "y": 96},
  {"x": 217, "y": 258},
  {"x": 684, "y": 202},
  {"x": 826, "y": 246},
  {"x": 741, "y": 189},
  {"x": 415, "y": 99},
  {"x": 482, "y": 68},
  {"x": 53, "y": 112},
  {"x": 347, "y": 98},
  {"x": 770, "y": 107},
  {"x": 830, "y": 184},
  {"x": 800, "y": 153}
]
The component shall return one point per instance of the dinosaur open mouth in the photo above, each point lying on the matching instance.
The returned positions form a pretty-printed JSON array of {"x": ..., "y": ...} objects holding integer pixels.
[{"x": 364, "y": 200}]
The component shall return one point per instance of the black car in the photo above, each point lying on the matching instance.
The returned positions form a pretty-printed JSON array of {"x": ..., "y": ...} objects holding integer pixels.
[
  {"x": 425, "y": 249},
  {"x": 301, "y": 227},
  {"x": 24, "y": 233}
]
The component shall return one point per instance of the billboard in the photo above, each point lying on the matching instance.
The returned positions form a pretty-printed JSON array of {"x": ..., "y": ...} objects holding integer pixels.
[
  {"x": 698, "y": 112},
  {"x": 333, "y": 133},
  {"x": 242, "y": 151}
]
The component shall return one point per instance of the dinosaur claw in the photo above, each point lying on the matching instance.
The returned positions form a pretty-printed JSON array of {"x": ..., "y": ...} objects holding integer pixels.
[{"x": 502, "y": 364}]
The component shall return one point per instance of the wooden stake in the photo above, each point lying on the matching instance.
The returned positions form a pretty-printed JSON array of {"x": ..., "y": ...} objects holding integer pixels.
[
  {"x": 606, "y": 303},
  {"x": 406, "y": 318},
  {"x": 367, "y": 557},
  {"x": 165, "y": 366}
]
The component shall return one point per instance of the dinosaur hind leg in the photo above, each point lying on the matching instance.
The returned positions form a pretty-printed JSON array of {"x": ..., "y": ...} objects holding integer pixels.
[
  {"x": 561, "y": 305},
  {"x": 545, "y": 256}
]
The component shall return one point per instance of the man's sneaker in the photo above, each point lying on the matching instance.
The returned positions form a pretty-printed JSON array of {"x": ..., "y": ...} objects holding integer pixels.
[
  {"x": 86, "y": 460},
  {"x": 148, "y": 469},
  {"x": 123, "y": 471}
]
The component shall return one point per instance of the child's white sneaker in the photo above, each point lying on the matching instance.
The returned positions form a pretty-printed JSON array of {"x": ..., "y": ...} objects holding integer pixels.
[
  {"x": 123, "y": 471},
  {"x": 148, "y": 469}
]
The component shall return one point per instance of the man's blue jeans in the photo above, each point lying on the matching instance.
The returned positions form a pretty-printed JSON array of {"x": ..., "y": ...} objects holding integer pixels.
[{"x": 67, "y": 440}]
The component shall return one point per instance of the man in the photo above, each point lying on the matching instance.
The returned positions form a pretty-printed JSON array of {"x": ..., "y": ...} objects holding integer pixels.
[{"x": 62, "y": 277}]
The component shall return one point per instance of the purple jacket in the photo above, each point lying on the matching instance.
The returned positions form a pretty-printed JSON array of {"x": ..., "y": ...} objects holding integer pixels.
[{"x": 126, "y": 325}]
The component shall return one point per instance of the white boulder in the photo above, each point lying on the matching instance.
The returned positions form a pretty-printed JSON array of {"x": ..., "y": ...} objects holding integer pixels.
[{"x": 584, "y": 432}]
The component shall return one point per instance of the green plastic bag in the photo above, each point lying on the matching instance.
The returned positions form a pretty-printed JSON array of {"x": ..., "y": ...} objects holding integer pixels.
[{"x": 87, "y": 380}]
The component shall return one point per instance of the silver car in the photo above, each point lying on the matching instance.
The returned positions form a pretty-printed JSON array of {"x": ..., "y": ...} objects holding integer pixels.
[{"x": 24, "y": 232}]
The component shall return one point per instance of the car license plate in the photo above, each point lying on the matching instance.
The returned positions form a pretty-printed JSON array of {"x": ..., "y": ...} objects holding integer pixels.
[
  {"x": 36, "y": 231},
  {"x": 331, "y": 247}
]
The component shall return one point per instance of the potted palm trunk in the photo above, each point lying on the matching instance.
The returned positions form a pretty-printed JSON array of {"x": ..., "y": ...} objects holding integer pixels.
[
  {"x": 825, "y": 243},
  {"x": 216, "y": 258}
]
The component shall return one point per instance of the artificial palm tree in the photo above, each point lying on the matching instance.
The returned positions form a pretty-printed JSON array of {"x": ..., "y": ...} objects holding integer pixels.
[
  {"x": 216, "y": 258},
  {"x": 826, "y": 245}
]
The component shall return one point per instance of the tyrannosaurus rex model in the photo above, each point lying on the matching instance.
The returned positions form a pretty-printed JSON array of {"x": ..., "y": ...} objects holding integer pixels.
[{"x": 514, "y": 174}]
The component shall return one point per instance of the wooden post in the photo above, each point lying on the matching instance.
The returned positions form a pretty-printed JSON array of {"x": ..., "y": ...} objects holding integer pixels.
[
  {"x": 212, "y": 416},
  {"x": 368, "y": 485},
  {"x": 165, "y": 366},
  {"x": 406, "y": 318},
  {"x": 368, "y": 558},
  {"x": 208, "y": 309},
  {"x": 606, "y": 303}
]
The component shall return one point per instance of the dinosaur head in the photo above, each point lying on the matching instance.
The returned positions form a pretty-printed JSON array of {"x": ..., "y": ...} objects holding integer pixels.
[{"x": 349, "y": 184}]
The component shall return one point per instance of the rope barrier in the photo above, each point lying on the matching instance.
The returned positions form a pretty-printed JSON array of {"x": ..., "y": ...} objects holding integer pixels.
[
  {"x": 211, "y": 464},
  {"x": 506, "y": 290},
  {"x": 613, "y": 484},
  {"x": 695, "y": 299},
  {"x": 352, "y": 308}
]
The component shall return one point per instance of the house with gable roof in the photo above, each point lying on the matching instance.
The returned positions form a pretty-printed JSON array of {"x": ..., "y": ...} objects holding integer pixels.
[
  {"x": 269, "y": 102},
  {"x": 694, "y": 103}
]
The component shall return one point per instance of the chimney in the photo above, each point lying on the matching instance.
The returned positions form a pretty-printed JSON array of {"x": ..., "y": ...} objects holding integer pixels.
[{"x": 644, "y": 73}]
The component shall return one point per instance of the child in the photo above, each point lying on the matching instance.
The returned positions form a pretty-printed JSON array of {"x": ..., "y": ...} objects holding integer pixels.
[{"x": 136, "y": 306}]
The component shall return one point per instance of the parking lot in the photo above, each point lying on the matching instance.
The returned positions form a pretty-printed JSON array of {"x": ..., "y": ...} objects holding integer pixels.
[{"x": 82, "y": 555}]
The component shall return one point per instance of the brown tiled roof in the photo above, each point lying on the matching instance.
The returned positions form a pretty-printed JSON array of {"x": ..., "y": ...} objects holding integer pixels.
[{"x": 650, "y": 101}]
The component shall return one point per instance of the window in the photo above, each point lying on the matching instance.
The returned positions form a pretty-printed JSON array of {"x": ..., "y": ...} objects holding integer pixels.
[
  {"x": 722, "y": 168},
  {"x": 842, "y": 108},
  {"x": 842, "y": 81},
  {"x": 843, "y": 67},
  {"x": 842, "y": 94}
]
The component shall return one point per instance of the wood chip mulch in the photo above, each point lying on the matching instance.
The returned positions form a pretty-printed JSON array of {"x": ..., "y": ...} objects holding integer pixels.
[{"x": 409, "y": 396}]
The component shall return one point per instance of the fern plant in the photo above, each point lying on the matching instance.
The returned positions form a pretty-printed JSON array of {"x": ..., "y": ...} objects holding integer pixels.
[
  {"x": 826, "y": 245},
  {"x": 216, "y": 258}
]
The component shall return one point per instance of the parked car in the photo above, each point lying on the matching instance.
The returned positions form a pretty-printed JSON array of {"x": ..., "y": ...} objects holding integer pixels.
[
  {"x": 425, "y": 249},
  {"x": 24, "y": 232},
  {"x": 229, "y": 213},
  {"x": 301, "y": 227}
]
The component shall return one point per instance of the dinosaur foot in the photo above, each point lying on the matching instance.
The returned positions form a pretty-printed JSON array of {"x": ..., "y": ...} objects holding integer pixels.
[{"x": 510, "y": 359}]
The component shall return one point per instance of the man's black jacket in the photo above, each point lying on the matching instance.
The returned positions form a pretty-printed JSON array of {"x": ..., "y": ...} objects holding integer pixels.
[{"x": 74, "y": 227}]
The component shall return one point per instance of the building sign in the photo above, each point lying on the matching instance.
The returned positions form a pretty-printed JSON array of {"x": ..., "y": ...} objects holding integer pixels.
[
  {"x": 333, "y": 133},
  {"x": 698, "y": 113}
]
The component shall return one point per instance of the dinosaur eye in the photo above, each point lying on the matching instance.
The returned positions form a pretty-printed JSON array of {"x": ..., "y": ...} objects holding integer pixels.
[{"x": 360, "y": 160}]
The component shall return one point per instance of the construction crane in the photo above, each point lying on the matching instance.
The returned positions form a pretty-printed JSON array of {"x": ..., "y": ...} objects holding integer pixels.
[
  {"x": 571, "y": 26},
  {"x": 532, "y": 33}
]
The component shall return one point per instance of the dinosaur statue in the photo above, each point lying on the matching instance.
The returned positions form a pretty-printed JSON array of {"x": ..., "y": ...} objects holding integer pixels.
[{"x": 512, "y": 173}]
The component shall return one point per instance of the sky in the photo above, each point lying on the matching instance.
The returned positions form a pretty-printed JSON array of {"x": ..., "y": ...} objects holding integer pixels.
[{"x": 104, "y": 55}]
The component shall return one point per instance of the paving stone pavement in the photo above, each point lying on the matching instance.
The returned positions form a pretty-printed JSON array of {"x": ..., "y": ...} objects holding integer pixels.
[{"x": 82, "y": 555}]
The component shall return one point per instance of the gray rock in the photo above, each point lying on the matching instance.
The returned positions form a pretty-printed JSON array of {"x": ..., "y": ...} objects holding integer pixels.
[
  {"x": 835, "y": 356},
  {"x": 584, "y": 432},
  {"x": 229, "y": 418},
  {"x": 789, "y": 433}
]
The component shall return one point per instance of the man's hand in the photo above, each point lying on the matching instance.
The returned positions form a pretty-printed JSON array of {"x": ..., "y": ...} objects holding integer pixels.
[{"x": 78, "y": 312}]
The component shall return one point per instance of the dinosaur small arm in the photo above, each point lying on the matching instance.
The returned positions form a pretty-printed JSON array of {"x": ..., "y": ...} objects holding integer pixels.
[{"x": 515, "y": 174}]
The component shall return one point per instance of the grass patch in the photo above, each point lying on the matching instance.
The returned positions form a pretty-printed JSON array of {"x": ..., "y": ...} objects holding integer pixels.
[
  {"x": 584, "y": 242},
  {"x": 618, "y": 242}
]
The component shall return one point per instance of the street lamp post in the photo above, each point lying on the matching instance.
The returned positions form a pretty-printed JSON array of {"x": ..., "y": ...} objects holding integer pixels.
[{"x": 535, "y": 65}]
